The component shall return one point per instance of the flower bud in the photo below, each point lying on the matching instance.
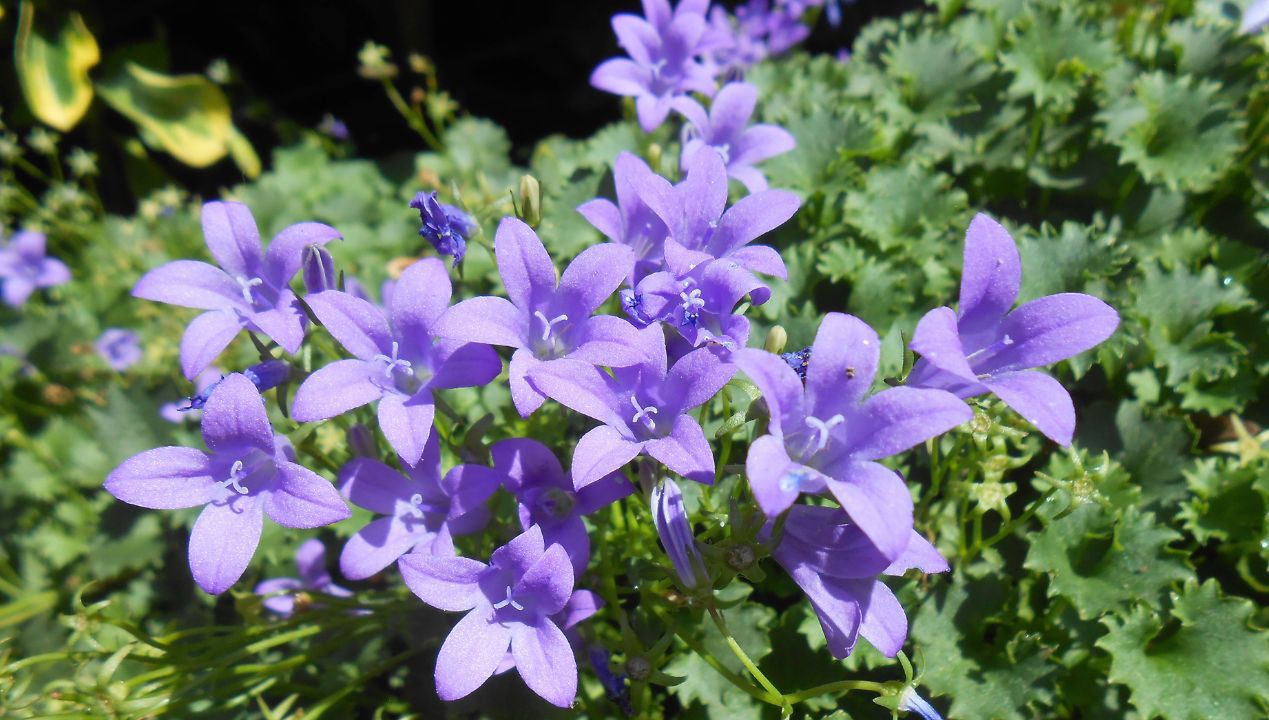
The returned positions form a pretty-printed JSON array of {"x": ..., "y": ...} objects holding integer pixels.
[
  {"x": 268, "y": 374},
  {"x": 654, "y": 157},
  {"x": 361, "y": 442},
  {"x": 638, "y": 668},
  {"x": 318, "y": 268},
  {"x": 910, "y": 701},
  {"x": 777, "y": 338},
  {"x": 741, "y": 557},
  {"x": 675, "y": 531},
  {"x": 530, "y": 201}
]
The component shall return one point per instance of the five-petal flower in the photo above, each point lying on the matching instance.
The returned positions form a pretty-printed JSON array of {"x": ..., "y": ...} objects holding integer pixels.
[
  {"x": 247, "y": 474},
  {"x": 827, "y": 437},
  {"x": 511, "y": 602},
  {"x": 725, "y": 128},
  {"x": 546, "y": 320},
  {"x": 398, "y": 360},
  {"x": 24, "y": 268},
  {"x": 310, "y": 560},
  {"x": 251, "y": 288},
  {"x": 986, "y": 347}
]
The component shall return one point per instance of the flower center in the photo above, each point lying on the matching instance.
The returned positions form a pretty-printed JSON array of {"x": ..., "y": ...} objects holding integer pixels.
[
  {"x": 548, "y": 326},
  {"x": 643, "y": 414},
  {"x": 245, "y": 472},
  {"x": 724, "y": 150},
  {"x": 793, "y": 481},
  {"x": 508, "y": 601},
  {"x": 246, "y": 285},
  {"x": 237, "y": 473},
  {"x": 556, "y": 503},
  {"x": 394, "y": 362},
  {"x": 820, "y": 431},
  {"x": 984, "y": 354}
]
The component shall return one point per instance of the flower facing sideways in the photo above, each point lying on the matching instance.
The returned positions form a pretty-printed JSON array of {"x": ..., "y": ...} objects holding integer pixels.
[{"x": 310, "y": 560}]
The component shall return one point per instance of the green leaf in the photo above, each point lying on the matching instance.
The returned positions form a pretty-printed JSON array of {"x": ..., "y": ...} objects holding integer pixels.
[
  {"x": 1069, "y": 260},
  {"x": 1199, "y": 661},
  {"x": 1053, "y": 56},
  {"x": 1099, "y": 560},
  {"x": 1228, "y": 503},
  {"x": 186, "y": 115},
  {"x": 900, "y": 206},
  {"x": 1176, "y": 131},
  {"x": 54, "y": 75}
]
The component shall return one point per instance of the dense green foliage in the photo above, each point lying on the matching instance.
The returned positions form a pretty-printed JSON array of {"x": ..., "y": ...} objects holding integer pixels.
[{"x": 1125, "y": 145}]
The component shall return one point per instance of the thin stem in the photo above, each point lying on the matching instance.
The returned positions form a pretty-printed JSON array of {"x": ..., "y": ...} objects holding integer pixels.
[
  {"x": 411, "y": 118},
  {"x": 744, "y": 659},
  {"x": 730, "y": 676},
  {"x": 841, "y": 686}
]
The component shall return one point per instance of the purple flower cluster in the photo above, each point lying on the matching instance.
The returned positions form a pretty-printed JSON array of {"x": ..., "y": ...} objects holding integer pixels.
[{"x": 686, "y": 257}]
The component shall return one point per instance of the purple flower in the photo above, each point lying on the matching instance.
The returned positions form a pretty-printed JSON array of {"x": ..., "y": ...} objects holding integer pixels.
[
  {"x": 265, "y": 376},
  {"x": 445, "y": 226},
  {"x": 698, "y": 304},
  {"x": 1255, "y": 17},
  {"x": 249, "y": 290},
  {"x": 798, "y": 360},
  {"x": 987, "y": 348},
  {"x": 826, "y": 436},
  {"x": 511, "y": 603},
  {"x": 675, "y": 531},
  {"x": 179, "y": 412},
  {"x": 334, "y": 128},
  {"x": 310, "y": 559},
  {"x": 545, "y": 320},
  {"x": 836, "y": 565},
  {"x": 421, "y": 510},
  {"x": 581, "y": 605},
  {"x": 248, "y": 474},
  {"x": 644, "y": 409},
  {"x": 630, "y": 221},
  {"x": 663, "y": 62},
  {"x": 547, "y": 498},
  {"x": 24, "y": 268},
  {"x": 120, "y": 348},
  {"x": 397, "y": 360},
  {"x": 725, "y": 127},
  {"x": 700, "y": 230}
]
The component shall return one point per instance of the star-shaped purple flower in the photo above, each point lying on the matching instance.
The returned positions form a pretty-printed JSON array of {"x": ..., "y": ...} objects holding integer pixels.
[
  {"x": 699, "y": 304},
  {"x": 120, "y": 348},
  {"x": 510, "y": 603},
  {"x": 663, "y": 62},
  {"x": 827, "y": 436},
  {"x": 547, "y": 497},
  {"x": 630, "y": 221},
  {"x": 398, "y": 360},
  {"x": 985, "y": 347},
  {"x": 310, "y": 560},
  {"x": 725, "y": 127},
  {"x": 545, "y": 320},
  {"x": 644, "y": 409},
  {"x": 24, "y": 268},
  {"x": 836, "y": 565},
  {"x": 581, "y": 605},
  {"x": 251, "y": 288},
  {"x": 247, "y": 474},
  {"x": 700, "y": 230},
  {"x": 445, "y": 226},
  {"x": 421, "y": 510}
]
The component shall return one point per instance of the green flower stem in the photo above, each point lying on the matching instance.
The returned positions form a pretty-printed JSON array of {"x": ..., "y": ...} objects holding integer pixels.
[
  {"x": 730, "y": 676},
  {"x": 1008, "y": 528},
  {"x": 412, "y": 118},
  {"x": 841, "y": 686},
  {"x": 749, "y": 664}
]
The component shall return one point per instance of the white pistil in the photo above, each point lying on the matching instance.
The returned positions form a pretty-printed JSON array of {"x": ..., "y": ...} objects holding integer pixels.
[
  {"x": 394, "y": 362},
  {"x": 822, "y": 429},
  {"x": 643, "y": 414},
  {"x": 245, "y": 284},
  {"x": 503, "y": 603},
  {"x": 548, "y": 325},
  {"x": 236, "y": 475},
  {"x": 692, "y": 301},
  {"x": 415, "y": 501},
  {"x": 725, "y": 151}
]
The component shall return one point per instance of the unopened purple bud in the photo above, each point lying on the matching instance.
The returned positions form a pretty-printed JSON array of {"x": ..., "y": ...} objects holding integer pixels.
[
  {"x": 911, "y": 702},
  {"x": 268, "y": 374},
  {"x": 361, "y": 441},
  {"x": 319, "y": 269},
  {"x": 676, "y": 535},
  {"x": 614, "y": 683}
]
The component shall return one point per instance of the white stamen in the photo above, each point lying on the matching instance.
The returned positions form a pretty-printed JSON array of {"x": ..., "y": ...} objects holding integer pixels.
[
  {"x": 643, "y": 414},
  {"x": 822, "y": 429},
  {"x": 725, "y": 151},
  {"x": 245, "y": 284},
  {"x": 394, "y": 362},
  {"x": 692, "y": 301},
  {"x": 503, "y": 603},
  {"x": 548, "y": 325},
  {"x": 236, "y": 475}
]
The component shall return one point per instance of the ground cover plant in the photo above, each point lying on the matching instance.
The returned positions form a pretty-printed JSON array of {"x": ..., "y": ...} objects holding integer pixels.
[{"x": 953, "y": 341}]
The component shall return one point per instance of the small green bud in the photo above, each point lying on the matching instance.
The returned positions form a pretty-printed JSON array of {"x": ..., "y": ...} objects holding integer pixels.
[
  {"x": 654, "y": 157},
  {"x": 530, "y": 201},
  {"x": 777, "y": 338}
]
